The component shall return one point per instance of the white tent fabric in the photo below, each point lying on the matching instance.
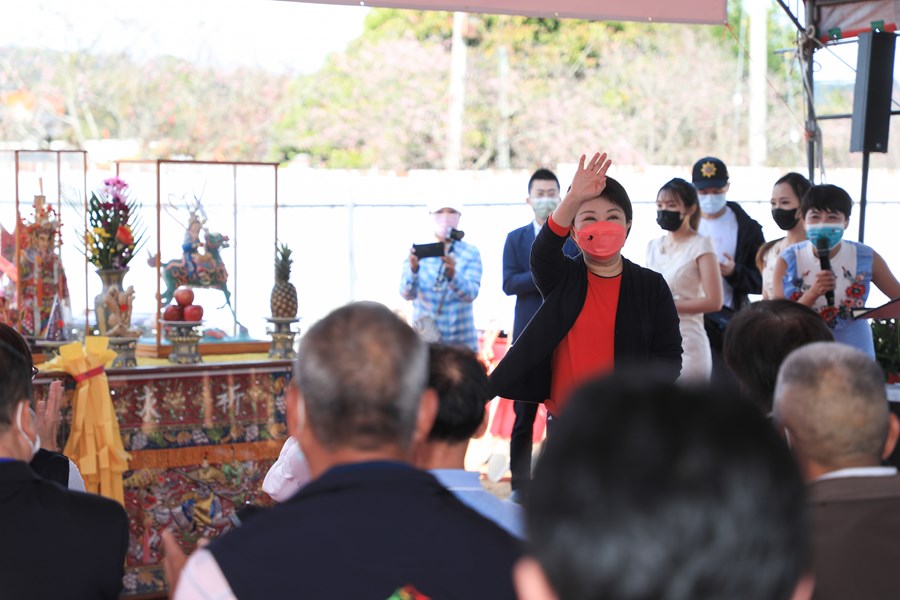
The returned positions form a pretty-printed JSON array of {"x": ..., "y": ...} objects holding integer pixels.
[{"x": 671, "y": 11}]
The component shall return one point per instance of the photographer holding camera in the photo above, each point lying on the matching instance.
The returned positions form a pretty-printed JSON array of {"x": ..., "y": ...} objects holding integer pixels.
[{"x": 442, "y": 279}]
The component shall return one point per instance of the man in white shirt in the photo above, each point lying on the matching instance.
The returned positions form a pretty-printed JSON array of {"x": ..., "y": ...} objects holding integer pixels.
[
  {"x": 830, "y": 402},
  {"x": 737, "y": 239}
]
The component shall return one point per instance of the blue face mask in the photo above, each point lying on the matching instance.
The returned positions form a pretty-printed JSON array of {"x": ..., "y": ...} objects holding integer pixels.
[
  {"x": 832, "y": 233},
  {"x": 711, "y": 203}
]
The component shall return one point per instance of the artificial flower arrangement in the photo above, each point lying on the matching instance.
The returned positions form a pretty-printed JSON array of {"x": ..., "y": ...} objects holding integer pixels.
[{"x": 115, "y": 233}]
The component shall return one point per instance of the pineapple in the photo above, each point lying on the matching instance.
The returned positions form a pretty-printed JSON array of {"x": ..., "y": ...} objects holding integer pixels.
[{"x": 284, "y": 294}]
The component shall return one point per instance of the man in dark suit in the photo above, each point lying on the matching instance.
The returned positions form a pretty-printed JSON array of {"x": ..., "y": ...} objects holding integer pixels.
[
  {"x": 368, "y": 525},
  {"x": 56, "y": 543},
  {"x": 543, "y": 197},
  {"x": 831, "y": 404}
]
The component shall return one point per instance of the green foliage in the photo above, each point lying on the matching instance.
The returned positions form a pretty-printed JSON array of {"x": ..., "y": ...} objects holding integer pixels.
[
  {"x": 170, "y": 106},
  {"x": 886, "y": 335},
  {"x": 652, "y": 93}
]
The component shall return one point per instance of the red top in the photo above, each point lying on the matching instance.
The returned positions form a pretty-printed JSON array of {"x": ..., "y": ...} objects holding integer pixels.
[
  {"x": 556, "y": 227},
  {"x": 588, "y": 349}
]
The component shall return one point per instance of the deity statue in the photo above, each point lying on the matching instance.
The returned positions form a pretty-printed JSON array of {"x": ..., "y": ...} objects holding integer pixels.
[
  {"x": 191, "y": 244},
  {"x": 41, "y": 278}
]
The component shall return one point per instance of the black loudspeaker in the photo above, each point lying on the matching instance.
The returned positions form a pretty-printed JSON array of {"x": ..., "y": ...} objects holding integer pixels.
[{"x": 872, "y": 94}]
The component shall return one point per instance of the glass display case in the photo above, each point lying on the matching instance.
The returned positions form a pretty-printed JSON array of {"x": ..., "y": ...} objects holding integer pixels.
[
  {"x": 210, "y": 226},
  {"x": 41, "y": 254}
]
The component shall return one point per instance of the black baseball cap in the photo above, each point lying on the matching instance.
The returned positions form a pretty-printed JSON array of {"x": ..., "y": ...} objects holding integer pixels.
[{"x": 709, "y": 172}]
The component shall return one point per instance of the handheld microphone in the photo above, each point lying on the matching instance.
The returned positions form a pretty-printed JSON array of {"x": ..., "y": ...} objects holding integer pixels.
[{"x": 825, "y": 263}]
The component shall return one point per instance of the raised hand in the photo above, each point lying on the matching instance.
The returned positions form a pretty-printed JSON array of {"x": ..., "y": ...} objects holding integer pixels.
[
  {"x": 47, "y": 414},
  {"x": 589, "y": 182},
  {"x": 590, "y": 179}
]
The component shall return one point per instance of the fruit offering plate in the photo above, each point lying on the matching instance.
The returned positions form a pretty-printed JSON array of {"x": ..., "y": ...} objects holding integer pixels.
[{"x": 180, "y": 323}]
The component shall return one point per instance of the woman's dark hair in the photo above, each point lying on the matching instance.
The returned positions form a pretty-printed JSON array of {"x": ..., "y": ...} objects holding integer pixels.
[
  {"x": 616, "y": 194},
  {"x": 827, "y": 197},
  {"x": 759, "y": 338},
  {"x": 800, "y": 185},
  {"x": 688, "y": 195}
]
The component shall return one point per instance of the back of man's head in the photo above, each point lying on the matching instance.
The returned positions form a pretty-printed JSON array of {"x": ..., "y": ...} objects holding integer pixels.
[
  {"x": 15, "y": 373},
  {"x": 361, "y": 372},
  {"x": 758, "y": 339},
  {"x": 463, "y": 389},
  {"x": 831, "y": 400},
  {"x": 652, "y": 490}
]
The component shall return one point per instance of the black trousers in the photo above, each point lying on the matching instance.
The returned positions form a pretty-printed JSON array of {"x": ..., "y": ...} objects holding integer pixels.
[{"x": 520, "y": 445}]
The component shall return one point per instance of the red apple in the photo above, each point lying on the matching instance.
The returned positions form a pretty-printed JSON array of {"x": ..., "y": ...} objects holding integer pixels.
[
  {"x": 173, "y": 313},
  {"x": 192, "y": 312},
  {"x": 184, "y": 296}
]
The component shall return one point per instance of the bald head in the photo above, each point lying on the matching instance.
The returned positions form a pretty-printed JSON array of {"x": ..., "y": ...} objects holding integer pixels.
[{"x": 831, "y": 399}]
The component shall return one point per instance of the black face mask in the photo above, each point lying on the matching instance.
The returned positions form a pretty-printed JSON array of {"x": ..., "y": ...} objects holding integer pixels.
[
  {"x": 670, "y": 220},
  {"x": 786, "y": 218}
]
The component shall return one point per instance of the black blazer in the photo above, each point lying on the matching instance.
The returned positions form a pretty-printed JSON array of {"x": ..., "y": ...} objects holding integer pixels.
[
  {"x": 517, "y": 279},
  {"x": 746, "y": 278},
  {"x": 57, "y": 543},
  {"x": 365, "y": 531},
  {"x": 646, "y": 330}
]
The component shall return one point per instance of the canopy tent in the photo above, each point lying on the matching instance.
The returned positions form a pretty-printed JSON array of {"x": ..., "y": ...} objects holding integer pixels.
[
  {"x": 836, "y": 19},
  {"x": 831, "y": 20},
  {"x": 711, "y": 12}
]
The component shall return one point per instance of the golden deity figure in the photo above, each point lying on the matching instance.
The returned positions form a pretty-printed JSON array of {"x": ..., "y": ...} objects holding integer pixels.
[{"x": 41, "y": 278}]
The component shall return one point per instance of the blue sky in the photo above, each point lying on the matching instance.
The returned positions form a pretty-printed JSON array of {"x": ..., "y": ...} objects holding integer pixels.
[{"x": 280, "y": 36}]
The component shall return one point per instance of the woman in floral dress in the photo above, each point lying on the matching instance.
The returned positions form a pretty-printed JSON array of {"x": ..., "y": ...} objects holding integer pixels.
[{"x": 854, "y": 266}]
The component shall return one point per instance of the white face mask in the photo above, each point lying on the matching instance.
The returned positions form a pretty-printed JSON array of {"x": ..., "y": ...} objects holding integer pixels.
[
  {"x": 712, "y": 203},
  {"x": 542, "y": 207},
  {"x": 36, "y": 444}
]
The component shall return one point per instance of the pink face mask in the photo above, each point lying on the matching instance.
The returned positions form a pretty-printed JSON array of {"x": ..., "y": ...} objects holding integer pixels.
[{"x": 600, "y": 240}]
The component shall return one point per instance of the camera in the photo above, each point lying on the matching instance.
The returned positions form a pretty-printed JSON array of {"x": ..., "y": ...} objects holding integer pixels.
[{"x": 428, "y": 250}]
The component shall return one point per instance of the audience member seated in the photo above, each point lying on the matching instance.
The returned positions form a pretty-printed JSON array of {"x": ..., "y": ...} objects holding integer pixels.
[
  {"x": 758, "y": 339},
  {"x": 652, "y": 490},
  {"x": 463, "y": 390},
  {"x": 462, "y": 387},
  {"x": 47, "y": 463},
  {"x": 368, "y": 525},
  {"x": 830, "y": 401},
  {"x": 56, "y": 543}
]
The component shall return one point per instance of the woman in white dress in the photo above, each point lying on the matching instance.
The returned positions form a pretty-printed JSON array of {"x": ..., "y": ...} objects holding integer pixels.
[
  {"x": 687, "y": 261},
  {"x": 786, "y": 196}
]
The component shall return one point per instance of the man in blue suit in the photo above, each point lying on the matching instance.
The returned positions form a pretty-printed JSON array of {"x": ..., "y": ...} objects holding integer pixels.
[{"x": 543, "y": 197}]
